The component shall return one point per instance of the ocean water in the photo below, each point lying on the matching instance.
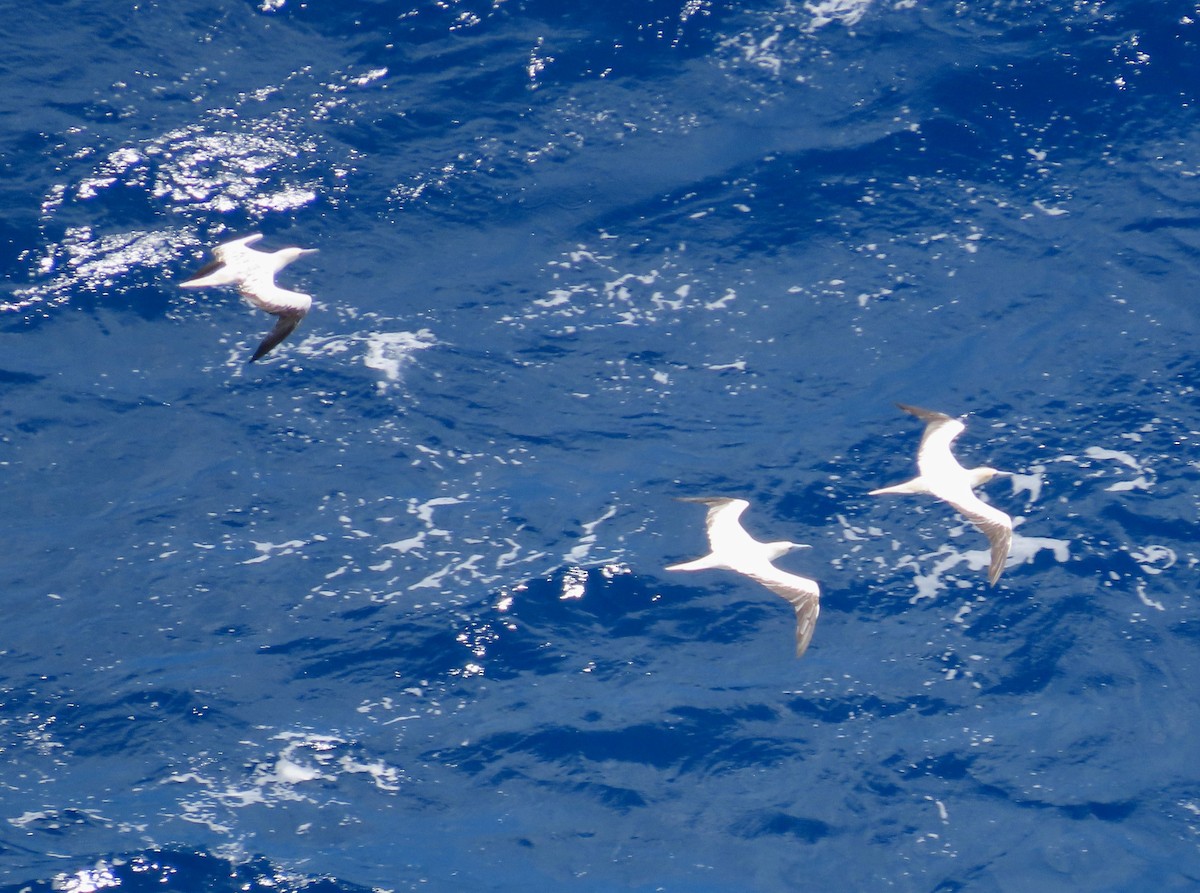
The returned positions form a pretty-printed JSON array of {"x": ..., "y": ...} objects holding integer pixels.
[{"x": 387, "y": 609}]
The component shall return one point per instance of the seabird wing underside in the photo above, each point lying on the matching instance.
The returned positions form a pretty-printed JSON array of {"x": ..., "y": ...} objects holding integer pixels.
[{"x": 803, "y": 594}]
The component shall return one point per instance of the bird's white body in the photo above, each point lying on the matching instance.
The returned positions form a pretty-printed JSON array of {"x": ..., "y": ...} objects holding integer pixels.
[
  {"x": 735, "y": 550},
  {"x": 253, "y": 272},
  {"x": 943, "y": 477}
]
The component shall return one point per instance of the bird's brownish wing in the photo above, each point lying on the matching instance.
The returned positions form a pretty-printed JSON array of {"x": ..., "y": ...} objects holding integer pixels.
[
  {"x": 204, "y": 271},
  {"x": 939, "y": 428},
  {"x": 997, "y": 527},
  {"x": 804, "y": 595},
  {"x": 284, "y": 326}
]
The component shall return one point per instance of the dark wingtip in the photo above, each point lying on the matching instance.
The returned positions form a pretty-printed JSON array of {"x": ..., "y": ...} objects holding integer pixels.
[
  {"x": 203, "y": 271},
  {"x": 925, "y": 415},
  {"x": 284, "y": 326},
  {"x": 263, "y": 350}
]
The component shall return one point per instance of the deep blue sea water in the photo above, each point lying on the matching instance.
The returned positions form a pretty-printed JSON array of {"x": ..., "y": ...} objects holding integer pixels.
[{"x": 387, "y": 610}]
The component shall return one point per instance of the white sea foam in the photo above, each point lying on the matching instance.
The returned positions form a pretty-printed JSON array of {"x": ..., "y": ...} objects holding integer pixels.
[{"x": 297, "y": 767}]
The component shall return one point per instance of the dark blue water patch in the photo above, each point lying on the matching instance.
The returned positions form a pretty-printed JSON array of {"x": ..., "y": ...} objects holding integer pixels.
[
  {"x": 549, "y": 622},
  {"x": 844, "y": 708},
  {"x": 134, "y": 722},
  {"x": 182, "y": 870},
  {"x": 441, "y": 651},
  {"x": 693, "y": 743},
  {"x": 1154, "y": 518},
  {"x": 616, "y": 39},
  {"x": 14, "y": 377},
  {"x": 782, "y": 824},
  {"x": 1077, "y": 49}
]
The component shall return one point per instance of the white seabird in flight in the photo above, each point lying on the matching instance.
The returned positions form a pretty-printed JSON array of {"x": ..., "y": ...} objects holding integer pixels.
[
  {"x": 942, "y": 476},
  {"x": 735, "y": 550},
  {"x": 253, "y": 272}
]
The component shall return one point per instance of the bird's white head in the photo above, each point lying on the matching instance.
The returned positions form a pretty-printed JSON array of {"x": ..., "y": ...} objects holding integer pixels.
[
  {"x": 985, "y": 473},
  {"x": 783, "y": 547},
  {"x": 285, "y": 256}
]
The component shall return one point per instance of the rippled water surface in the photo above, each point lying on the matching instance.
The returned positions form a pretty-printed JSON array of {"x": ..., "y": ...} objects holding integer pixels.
[{"x": 388, "y": 609}]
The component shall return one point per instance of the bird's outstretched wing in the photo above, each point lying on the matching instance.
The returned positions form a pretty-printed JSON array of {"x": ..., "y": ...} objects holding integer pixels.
[
  {"x": 723, "y": 524},
  {"x": 940, "y": 432},
  {"x": 925, "y": 415},
  {"x": 806, "y": 623},
  {"x": 223, "y": 255},
  {"x": 209, "y": 267},
  {"x": 995, "y": 525},
  {"x": 284, "y": 325},
  {"x": 231, "y": 249},
  {"x": 803, "y": 594}
]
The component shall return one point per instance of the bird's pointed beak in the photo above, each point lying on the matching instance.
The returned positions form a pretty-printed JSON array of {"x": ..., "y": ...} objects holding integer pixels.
[{"x": 309, "y": 250}]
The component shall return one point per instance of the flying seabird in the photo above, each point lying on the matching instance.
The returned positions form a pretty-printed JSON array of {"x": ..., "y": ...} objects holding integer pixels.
[
  {"x": 735, "y": 550},
  {"x": 253, "y": 272},
  {"x": 943, "y": 477}
]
